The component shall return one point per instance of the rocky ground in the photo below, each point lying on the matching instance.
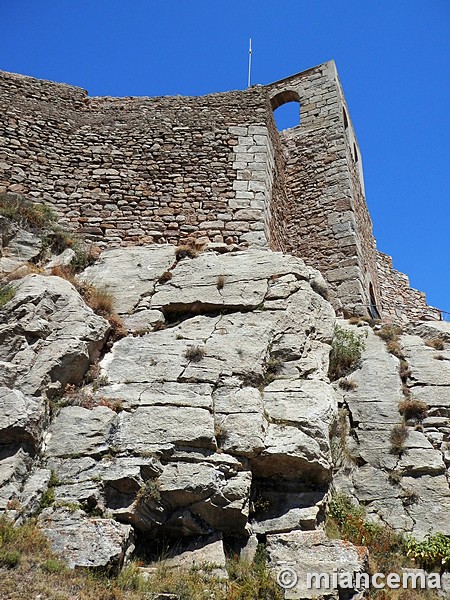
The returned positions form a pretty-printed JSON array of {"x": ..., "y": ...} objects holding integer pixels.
[{"x": 212, "y": 423}]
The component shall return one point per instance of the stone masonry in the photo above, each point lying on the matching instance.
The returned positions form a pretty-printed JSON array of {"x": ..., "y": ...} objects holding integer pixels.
[{"x": 135, "y": 171}]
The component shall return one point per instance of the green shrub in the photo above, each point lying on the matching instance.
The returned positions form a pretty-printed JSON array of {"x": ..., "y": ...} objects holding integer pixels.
[
  {"x": 346, "y": 350},
  {"x": 7, "y": 292},
  {"x": 347, "y": 521},
  {"x": 52, "y": 565},
  {"x": 432, "y": 553},
  {"x": 9, "y": 558}
]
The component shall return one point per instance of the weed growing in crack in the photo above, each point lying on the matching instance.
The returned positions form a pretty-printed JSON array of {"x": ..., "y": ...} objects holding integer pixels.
[
  {"x": 437, "y": 343},
  {"x": 413, "y": 409},
  {"x": 398, "y": 436},
  {"x": 346, "y": 350},
  {"x": 347, "y": 384},
  {"x": 195, "y": 353}
]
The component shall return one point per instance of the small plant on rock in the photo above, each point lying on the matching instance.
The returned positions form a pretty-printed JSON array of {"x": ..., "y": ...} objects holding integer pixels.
[
  {"x": 390, "y": 332},
  {"x": 195, "y": 353},
  {"x": 220, "y": 282},
  {"x": 398, "y": 436},
  {"x": 101, "y": 301},
  {"x": 149, "y": 492},
  {"x": 185, "y": 251},
  {"x": 165, "y": 277},
  {"x": 274, "y": 366},
  {"x": 7, "y": 293},
  {"x": 347, "y": 384},
  {"x": 413, "y": 409},
  {"x": 437, "y": 343},
  {"x": 346, "y": 350}
]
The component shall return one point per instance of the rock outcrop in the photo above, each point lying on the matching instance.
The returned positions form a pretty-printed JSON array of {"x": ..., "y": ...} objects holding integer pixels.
[{"x": 213, "y": 421}]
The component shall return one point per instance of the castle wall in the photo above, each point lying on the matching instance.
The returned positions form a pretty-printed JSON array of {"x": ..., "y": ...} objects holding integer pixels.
[
  {"x": 328, "y": 222},
  {"x": 140, "y": 170},
  {"x": 401, "y": 302},
  {"x": 155, "y": 170}
]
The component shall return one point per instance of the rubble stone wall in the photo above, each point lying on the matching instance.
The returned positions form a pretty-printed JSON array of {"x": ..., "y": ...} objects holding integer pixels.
[
  {"x": 130, "y": 171},
  {"x": 328, "y": 222},
  {"x": 399, "y": 300}
]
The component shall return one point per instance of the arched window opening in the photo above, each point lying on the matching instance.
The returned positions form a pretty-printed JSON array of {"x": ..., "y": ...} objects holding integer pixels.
[
  {"x": 345, "y": 118},
  {"x": 355, "y": 153},
  {"x": 286, "y": 107}
]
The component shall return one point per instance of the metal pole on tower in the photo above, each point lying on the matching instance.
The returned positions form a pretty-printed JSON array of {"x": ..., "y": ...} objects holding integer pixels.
[{"x": 249, "y": 63}]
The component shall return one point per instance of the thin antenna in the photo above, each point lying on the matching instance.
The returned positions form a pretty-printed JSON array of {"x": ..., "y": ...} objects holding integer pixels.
[{"x": 249, "y": 64}]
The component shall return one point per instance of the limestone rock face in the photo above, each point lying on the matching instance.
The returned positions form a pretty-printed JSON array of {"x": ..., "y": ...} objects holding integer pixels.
[
  {"x": 48, "y": 337},
  {"x": 214, "y": 418},
  {"x": 190, "y": 420},
  {"x": 407, "y": 490},
  {"x": 17, "y": 246},
  {"x": 84, "y": 542},
  {"x": 306, "y": 552}
]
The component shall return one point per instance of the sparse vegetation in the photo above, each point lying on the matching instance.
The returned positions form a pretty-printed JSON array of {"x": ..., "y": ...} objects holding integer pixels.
[
  {"x": 347, "y": 384},
  {"x": 185, "y": 251},
  {"x": 195, "y": 353},
  {"x": 220, "y": 282},
  {"x": 7, "y": 293},
  {"x": 74, "y": 396},
  {"x": 149, "y": 492},
  {"x": 100, "y": 300},
  {"x": 348, "y": 521},
  {"x": 273, "y": 367},
  {"x": 251, "y": 379},
  {"x": 413, "y": 409},
  {"x": 165, "y": 277},
  {"x": 339, "y": 439},
  {"x": 48, "y": 497},
  {"x": 28, "y": 214},
  {"x": 398, "y": 437},
  {"x": 389, "y": 333},
  {"x": 389, "y": 552},
  {"x": 437, "y": 343},
  {"x": 346, "y": 350},
  {"x": 404, "y": 370}
]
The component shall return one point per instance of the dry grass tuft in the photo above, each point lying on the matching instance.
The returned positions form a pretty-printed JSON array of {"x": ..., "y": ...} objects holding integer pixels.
[
  {"x": 195, "y": 353},
  {"x": 404, "y": 370},
  {"x": 165, "y": 277},
  {"x": 347, "y": 384},
  {"x": 414, "y": 409},
  {"x": 220, "y": 282},
  {"x": 389, "y": 332},
  {"x": 185, "y": 251},
  {"x": 437, "y": 343},
  {"x": 101, "y": 301},
  {"x": 398, "y": 436}
]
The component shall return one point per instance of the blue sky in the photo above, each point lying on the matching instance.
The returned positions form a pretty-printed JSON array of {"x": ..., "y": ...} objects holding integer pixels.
[{"x": 393, "y": 59}]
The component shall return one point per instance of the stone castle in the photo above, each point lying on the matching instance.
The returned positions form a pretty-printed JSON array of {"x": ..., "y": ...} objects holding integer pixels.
[{"x": 138, "y": 170}]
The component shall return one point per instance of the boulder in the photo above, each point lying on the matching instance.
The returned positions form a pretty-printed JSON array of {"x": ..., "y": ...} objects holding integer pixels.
[
  {"x": 130, "y": 274},
  {"x": 49, "y": 335},
  {"x": 294, "y": 555},
  {"x": 85, "y": 542}
]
